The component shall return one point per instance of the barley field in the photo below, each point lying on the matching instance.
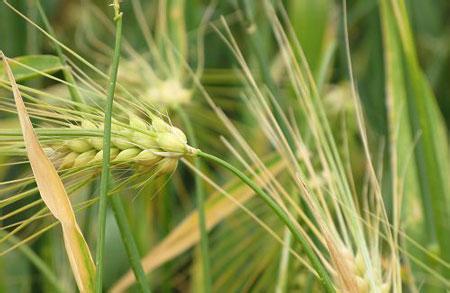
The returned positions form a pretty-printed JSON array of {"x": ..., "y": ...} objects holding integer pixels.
[{"x": 224, "y": 146}]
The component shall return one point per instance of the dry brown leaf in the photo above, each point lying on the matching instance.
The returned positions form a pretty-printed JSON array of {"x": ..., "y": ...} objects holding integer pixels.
[{"x": 54, "y": 195}]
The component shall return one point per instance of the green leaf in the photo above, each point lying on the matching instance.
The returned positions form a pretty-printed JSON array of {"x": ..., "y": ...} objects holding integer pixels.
[
  {"x": 426, "y": 125},
  {"x": 31, "y": 66},
  {"x": 313, "y": 25}
]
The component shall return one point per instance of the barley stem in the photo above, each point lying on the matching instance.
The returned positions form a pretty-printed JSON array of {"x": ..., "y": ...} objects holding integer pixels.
[
  {"x": 129, "y": 243},
  {"x": 200, "y": 196},
  {"x": 106, "y": 153},
  {"x": 321, "y": 271}
]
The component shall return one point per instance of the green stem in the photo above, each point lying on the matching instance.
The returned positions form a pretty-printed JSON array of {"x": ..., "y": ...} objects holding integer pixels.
[
  {"x": 74, "y": 93},
  {"x": 318, "y": 266},
  {"x": 106, "y": 151},
  {"x": 200, "y": 198},
  {"x": 130, "y": 244}
]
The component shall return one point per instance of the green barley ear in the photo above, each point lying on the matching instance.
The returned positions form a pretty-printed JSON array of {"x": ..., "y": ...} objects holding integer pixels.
[
  {"x": 168, "y": 92},
  {"x": 136, "y": 122},
  {"x": 147, "y": 157},
  {"x": 168, "y": 141},
  {"x": 148, "y": 144}
]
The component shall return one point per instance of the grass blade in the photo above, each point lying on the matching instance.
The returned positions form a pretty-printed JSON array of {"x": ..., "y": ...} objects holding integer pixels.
[
  {"x": 31, "y": 66},
  {"x": 426, "y": 121}
]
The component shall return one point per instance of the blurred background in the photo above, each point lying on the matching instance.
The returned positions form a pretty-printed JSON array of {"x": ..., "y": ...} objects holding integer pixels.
[
  {"x": 313, "y": 21},
  {"x": 318, "y": 24}
]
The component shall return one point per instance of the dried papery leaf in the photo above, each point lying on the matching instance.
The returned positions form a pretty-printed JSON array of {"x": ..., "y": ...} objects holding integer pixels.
[
  {"x": 186, "y": 234},
  {"x": 54, "y": 195}
]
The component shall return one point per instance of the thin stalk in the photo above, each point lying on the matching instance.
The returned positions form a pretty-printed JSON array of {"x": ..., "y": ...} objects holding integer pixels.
[
  {"x": 318, "y": 266},
  {"x": 130, "y": 244},
  {"x": 200, "y": 201},
  {"x": 106, "y": 149},
  {"x": 74, "y": 93}
]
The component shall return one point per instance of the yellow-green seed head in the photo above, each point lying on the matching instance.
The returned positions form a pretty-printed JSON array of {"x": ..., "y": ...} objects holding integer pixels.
[
  {"x": 147, "y": 157},
  {"x": 167, "y": 165},
  {"x": 84, "y": 158},
  {"x": 159, "y": 125},
  {"x": 78, "y": 145},
  {"x": 169, "y": 92},
  {"x": 179, "y": 134},
  {"x": 169, "y": 142},
  {"x": 144, "y": 141},
  {"x": 127, "y": 155},
  {"x": 112, "y": 154},
  {"x": 68, "y": 160},
  {"x": 96, "y": 143},
  {"x": 136, "y": 122},
  {"x": 146, "y": 144}
]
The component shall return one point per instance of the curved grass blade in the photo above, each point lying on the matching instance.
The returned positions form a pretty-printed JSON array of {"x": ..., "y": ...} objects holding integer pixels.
[{"x": 427, "y": 123}]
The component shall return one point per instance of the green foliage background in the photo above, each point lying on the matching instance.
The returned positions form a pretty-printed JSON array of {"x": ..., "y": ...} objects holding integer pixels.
[{"x": 414, "y": 68}]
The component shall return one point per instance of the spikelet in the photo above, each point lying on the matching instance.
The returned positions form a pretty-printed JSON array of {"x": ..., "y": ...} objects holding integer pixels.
[
  {"x": 156, "y": 144},
  {"x": 169, "y": 92},
  {"x": 357, "y": 268},
  {"x": 165, "y": 91}
]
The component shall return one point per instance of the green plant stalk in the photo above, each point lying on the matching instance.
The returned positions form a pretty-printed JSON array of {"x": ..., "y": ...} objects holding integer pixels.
[
  {"x": 106, "y": 150},
  {"x": 74, "y": 93},
  {"x": 283, "y": 267},
  {"x": 318, "y": 266},
  {"x": 200, "y": 198},
  {"x": 129, "y": 243}
]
